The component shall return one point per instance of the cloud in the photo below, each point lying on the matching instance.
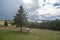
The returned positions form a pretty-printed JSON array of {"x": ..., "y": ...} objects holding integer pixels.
[
  {"x": 53, "y": 1},
  {"x": 48, "y": 8},
  {"x": 44, "y": 8},
  {"x": 37, "y": 9},
  {"x": 27, "y": 1}
]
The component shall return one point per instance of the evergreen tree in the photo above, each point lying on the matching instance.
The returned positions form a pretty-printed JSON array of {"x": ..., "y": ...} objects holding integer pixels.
[
  {"x": 6, "y": 24},
  {"x": 20, "y": 19}
]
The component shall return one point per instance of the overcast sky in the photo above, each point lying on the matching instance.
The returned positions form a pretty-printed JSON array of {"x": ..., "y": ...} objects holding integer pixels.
[{"x": 36, "y": 9}]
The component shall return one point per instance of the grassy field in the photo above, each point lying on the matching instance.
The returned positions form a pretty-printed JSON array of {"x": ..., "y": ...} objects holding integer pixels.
[
  {"x": 1, "y": 22},
  {"x": 34, "y": 34},
  {"x": 12, "y": 33}
]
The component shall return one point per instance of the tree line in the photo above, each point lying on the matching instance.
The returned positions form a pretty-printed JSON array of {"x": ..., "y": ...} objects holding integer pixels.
[{"x": 51, "y": 25}]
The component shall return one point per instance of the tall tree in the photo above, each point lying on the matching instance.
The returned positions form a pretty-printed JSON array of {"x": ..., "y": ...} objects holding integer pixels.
[{"x": 20, "y": 19}]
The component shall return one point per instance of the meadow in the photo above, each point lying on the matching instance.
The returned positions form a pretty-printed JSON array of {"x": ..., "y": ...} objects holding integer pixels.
[
  {"x": 12, "y": 33},
  {"x": 1, "y": 22}
]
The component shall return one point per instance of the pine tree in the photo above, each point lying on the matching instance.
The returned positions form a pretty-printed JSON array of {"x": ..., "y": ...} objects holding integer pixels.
[
  {"x": 6, "y": 24},
  {"x": 20, "y": 19}
]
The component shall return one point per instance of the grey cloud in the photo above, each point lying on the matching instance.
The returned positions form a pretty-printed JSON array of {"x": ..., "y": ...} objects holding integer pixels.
[{"x": 57, "y": 5}]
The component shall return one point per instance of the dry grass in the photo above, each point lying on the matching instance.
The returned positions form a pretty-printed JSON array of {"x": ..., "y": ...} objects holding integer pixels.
[
  {"x": 11, "y": 33},
  {"x": 1, "y": 22}
]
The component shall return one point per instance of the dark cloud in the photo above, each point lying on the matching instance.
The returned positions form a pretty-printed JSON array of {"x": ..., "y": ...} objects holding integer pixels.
[
  {"x": 8, "y": 8},
  {"x": 44, "y": 0}
]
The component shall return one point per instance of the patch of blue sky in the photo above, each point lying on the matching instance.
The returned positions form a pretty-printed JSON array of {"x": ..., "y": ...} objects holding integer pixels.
[{"x": 56, "y": 4}]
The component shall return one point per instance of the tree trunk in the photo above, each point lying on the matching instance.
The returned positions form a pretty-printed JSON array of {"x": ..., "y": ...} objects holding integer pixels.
[{"x": 21, "y": 29}]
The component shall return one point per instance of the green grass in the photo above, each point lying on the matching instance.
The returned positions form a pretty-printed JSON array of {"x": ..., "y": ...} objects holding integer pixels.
[
  {"x": 35, "y": 34},
  {"x": 12, "y": 33}
]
